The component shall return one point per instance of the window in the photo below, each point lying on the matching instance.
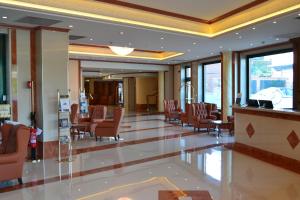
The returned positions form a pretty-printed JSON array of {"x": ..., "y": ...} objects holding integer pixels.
[
  {"x": 271, "y": 78},
  {"x": 188, "y": 85},
  {"x": 212, "y": 83}
]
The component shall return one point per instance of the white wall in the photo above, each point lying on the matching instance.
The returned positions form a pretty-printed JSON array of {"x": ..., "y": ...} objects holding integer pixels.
[
  {"x": 52, "y": 64},
  {"x": 23, "y": 75},
  {"x": 74, "y": 80}
]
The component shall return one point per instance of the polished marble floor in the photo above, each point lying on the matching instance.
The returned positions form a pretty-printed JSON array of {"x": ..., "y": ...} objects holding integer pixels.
[{"x": 154, "y": 159}]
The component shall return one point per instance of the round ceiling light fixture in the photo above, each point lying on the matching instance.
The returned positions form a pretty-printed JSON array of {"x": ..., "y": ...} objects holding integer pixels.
[{"x": 121, "y": 51}]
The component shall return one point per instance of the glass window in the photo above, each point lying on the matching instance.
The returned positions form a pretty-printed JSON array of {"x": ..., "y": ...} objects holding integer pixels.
[
  {"x": 188, "y": 85},
  {"x": 212, "y": 83},
  {"x": 271, "y": 78}
]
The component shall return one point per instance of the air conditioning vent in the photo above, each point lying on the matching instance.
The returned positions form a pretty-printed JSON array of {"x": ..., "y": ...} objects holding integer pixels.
[
  {"x": 38, "y": 21},
  {"x": 75, "y": 37}
]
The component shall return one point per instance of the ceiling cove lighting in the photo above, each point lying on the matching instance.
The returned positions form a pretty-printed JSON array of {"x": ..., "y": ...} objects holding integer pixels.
[
  {"x": 149, "y": 25},
  {"x": 121, "y": 51}
]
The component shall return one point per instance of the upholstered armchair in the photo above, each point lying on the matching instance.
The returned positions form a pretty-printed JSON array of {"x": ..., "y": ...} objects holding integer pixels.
[
  {"x": 201, "y": 119},
  {"x": 98, "y": 115},
  {"x": 14, "y": 150},
  {"x": 110, "y": 128},
  {"x": 172, "y": 110},
  {"x": 77, "y": 126},
  {"x": 187, "y": 116},
  {"x": 212, "y": 109}
]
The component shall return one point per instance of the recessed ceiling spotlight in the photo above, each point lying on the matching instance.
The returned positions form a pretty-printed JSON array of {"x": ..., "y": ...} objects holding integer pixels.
[
  {"x": 221, "y": 47},
  {"x": 299, "y": 14},
  {"x": 251, "y": 44},
  {"x": 253, "y": 28},
  {"x": 274, "y": 22},
  {"x": 161, "y": 47},
  {"x": 240, "y": 37},
  {"x": 4, "y": 17},
  {"x": 70, "y": 26},
  {"x": 162, "y": 38},
  {"x": 237, "y": 33},
  {"x": 121, "y": 33},
  {"x": 212, "y": 53},
  {"x": 129, "y": 44},
  {"x": 194, "y": 43},
  {"x": 277, "y": 39},
  {"x": 91, "y": 39}
]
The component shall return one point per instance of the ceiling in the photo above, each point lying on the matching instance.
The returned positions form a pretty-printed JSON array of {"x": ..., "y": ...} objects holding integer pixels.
[
  {"x": 203, "y": 9},
  {"x": 193, "y": 47}
]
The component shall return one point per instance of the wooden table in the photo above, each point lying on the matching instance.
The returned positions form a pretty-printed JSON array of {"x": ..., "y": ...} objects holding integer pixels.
[{"x": 219, "y": 124}]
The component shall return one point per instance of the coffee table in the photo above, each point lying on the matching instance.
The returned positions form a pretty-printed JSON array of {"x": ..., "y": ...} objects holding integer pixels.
[{"x": 219, "y": 124}]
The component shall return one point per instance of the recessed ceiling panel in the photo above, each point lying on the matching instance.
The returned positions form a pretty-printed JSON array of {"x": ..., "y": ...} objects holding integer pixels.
[{"x": 38, "y": 21}]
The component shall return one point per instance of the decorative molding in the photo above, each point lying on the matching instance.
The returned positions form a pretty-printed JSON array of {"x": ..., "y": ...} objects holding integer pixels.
[
  {"x": 105, "y": 46},
  {"x": 182, "y": 16},
  {"x": 267, "y": 156},
  {"x": 115, "y": 61},
  {"x": 268, "y": 113}
]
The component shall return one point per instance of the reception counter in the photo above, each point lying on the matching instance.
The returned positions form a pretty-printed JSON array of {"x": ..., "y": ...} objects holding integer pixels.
[{"x": 272, "y": 131}]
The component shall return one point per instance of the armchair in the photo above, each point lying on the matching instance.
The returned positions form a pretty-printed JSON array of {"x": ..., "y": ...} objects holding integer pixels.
[
  {"x": 110, "y": 128},
  {"x": 77, "y": 126},
  {"x": 187, "y": 116},
  {"x": 14, "y": 152},
  {"x": 172, "y": 110},
  {"x": 201, "y": 119},
  {"x": 212, "y": 109}
]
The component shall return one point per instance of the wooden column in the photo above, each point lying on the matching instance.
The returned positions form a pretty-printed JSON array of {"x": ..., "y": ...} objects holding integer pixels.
[{"x": 296, "y": 95}]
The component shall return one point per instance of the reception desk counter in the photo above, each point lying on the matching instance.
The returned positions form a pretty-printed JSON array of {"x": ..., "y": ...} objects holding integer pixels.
[{"x": 274, "y": 131}]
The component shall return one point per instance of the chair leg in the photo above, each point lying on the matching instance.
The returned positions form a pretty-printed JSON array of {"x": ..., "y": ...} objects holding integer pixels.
[
  {"x": 181, "y": 124},
  {"x": 116, "y": 138},
  {"x": 20, "y": 181},
  {"x": 96, "y": 138}
]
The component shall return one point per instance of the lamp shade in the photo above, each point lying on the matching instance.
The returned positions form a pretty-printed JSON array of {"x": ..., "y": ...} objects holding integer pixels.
[{"x": 121, "y": 51}]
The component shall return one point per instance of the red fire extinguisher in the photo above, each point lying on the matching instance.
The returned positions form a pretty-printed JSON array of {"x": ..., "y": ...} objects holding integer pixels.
[{"x": 33, "y": 142}]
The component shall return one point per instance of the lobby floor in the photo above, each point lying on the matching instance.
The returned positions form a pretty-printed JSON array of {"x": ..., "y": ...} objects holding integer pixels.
[{"x": 155, "y": 160}]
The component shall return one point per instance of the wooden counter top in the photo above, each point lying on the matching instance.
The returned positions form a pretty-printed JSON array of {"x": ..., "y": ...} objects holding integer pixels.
[{"x": 286, "y": 114}]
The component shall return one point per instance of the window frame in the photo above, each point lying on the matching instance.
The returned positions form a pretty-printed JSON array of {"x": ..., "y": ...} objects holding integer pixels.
[
  {"x": 266, "y": 53},
  {"x": 203, "y": 77}
]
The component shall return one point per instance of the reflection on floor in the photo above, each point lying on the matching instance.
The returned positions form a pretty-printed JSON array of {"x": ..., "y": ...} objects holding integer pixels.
[{"x": 155, "y": 160}]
